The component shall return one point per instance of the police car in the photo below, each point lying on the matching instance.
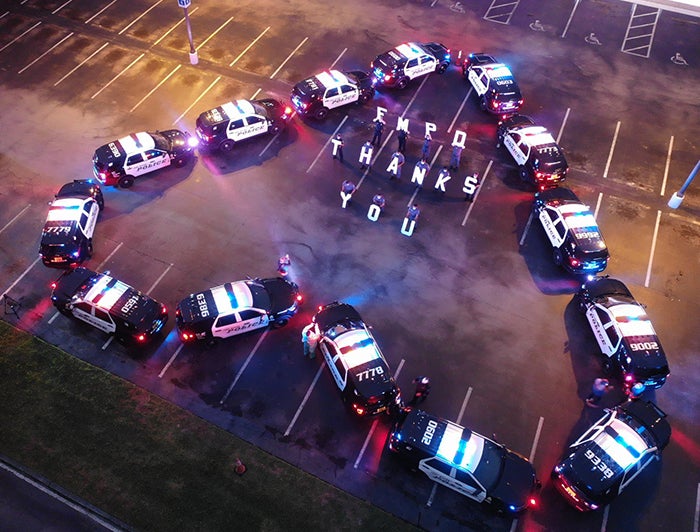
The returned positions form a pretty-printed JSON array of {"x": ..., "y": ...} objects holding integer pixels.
[
  {"x": 539, "y": 158},
  {"x": 230, "y": 123},
  {"x": 355, "y": 361},
  {"x": 122, "y": 161},
  {"x": 108, "y": 305},
  {"x": 464, "y": 461},
  {"x": 572, "y": 230},
  {"x": 624, "y": 332},
  {"x": 66, "y": 239},
  {"x": 236, "y": 308},
  {"x": 316, "y": 95},
  {"x": 611, "y": 454},
  {"x": 493, "y": 83},
  {"x": 408, "y": 61}
]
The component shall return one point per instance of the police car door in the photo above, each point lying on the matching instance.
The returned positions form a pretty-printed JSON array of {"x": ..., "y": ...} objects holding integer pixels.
[
  {"x": 341, "y": 95},
  {"x": 513, "y": 141},
  {"x": 445, "y": 474},
  {"x": 256, "y": 125},
  {"x": 477, "y": 77},
  {"x": 603, "y": 326},
  {"x": 428, "y": 64},
  {"x": 156, "y": 159},
  {"x": 553, "y": 225},
  {"x": 96, "y": 317},
  {"x": 88, "y": 219},
  {"x": 227, "y": 325},
  {"x": 238, "y": 130},
  {"x": 334, "y": 362}
]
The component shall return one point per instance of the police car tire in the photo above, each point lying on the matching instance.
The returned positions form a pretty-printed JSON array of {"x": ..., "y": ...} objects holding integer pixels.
[
  {"x": 401, "y": 84},
  {"x": 89, "y": 249},
  {"x": 278, "y": 324},
  {"x": 441, "y": 68},
  {"x": 483, "y": 103},
  {"x": 523, "y": 174},
  {"x": 581, "y": 305},
  {"x": 321, "y": 113},
  {"x": 364, "y": 98},
  {"x": 226, "y": 145},
  {"x": 64, "y": 310},
  {"x": 180, "y": 161},
  {"x": 557, "y": 256},
  {"x": 126, "y": 181}
]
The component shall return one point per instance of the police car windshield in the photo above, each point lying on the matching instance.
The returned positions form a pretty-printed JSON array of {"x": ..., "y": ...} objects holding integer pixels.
[{"x": 160, "y": 141}]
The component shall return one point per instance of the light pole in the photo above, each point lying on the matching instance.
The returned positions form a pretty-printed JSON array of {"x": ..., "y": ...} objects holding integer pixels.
[
  {"x": 184, "y": 4},
  {"x": 677, "y": 197}
]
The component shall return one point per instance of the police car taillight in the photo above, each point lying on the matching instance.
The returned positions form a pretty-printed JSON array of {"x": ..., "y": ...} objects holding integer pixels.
[
  {"x": 574, "y": 262},
  {"x": 629, "y": 378},
  {"x": 532, "y": 502},
  {"x": 163, "y": 309},
  {"x": 141, "y": 337},
  {"x": 53, "y": 285},
  {"x": 187, "y": 336},
  {"x": 288, "y": 111},
  {"x": 358, "y": 409},
  {"x": 299, "y": 298}
]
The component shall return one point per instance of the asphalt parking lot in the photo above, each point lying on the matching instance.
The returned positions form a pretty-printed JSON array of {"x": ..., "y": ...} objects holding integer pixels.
[{"x": 471, "y": 299}]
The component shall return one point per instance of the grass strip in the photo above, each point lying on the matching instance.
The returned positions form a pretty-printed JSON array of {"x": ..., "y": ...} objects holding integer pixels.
[{"x": 148, "y": 462}]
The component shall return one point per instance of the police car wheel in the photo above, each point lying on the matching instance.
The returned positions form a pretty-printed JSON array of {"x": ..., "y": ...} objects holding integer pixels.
[
  {"x": 226, "y": 145},
  {"x": 126, "y": 181},
  {"x": 557, "y": 256},
  {"x": 320, "y": 113},
  {"x": 180, "y": 161},
  {"x": 64, "y": 310},
  {"x": 401, "y": 84},
  {"x": 609, "y": 366},
  {"x": 89, "y": 249},
  {"x": 483, "y": 104},
  {"x": 441, "y": 68},
  {"x": 581, "y": 304},
  {"x": 523, "y": 174},
  {"x": 364, "y": 98}
]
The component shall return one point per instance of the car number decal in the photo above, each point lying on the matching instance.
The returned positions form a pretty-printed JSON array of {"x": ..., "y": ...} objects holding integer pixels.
[{"x": 370, "y": 373}]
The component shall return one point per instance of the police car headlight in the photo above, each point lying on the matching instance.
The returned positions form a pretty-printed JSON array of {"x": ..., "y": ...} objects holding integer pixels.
[{"x": 192, "y": 142}]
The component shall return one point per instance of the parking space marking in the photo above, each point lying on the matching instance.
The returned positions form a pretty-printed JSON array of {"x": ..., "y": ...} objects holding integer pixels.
[
  {"x": 109, "y": 341},
  {"x": 263, "y": 32},
  {"x": 501, "y": 9},
  {"x": 597, "y": 205},
  {"x": 154, "y": 89},
  {"x": 537, "y": 439},
  {"x": 410, "y": 103},
  {"x": 571, "y": 16},
  {"x": 696, "y": 519},
  {"x": 668, "y": 163},
  {"x": 464, "y": 405},
  {"x": 159, "y": 279},
  {"x": 469, "y": 92},
  {"x": 327, "y": 143},
  {"x": 175, "y": 26},
  {"x": 48, "y": 51},
  {"x": 99, "y": 12},
  {"x": 289, "y": 57},
  {"x": 653, "y": 249},
  {"x": 612, "y": 149},
  {"x": 217, "y": 30},
  {"x": 25, "y": 272},
  {"x": 64, "y": 4},
  {"x": 138, "y": 18},
  {"x": 338, "y": 58},
  {"x": 476, "y": 194},
  {"x": 561, "y": 129},
  {"x": 244, "y": 366},
  {"x": 4, "y": 14},
  {"x": 376, "y": 156},
  {"x": 52, "y": 318},
  {"x": 256, "y": 93},
  {"x": 527, "y": 228},
  {"x": 172, "y": 359},
  {"x": 102, "y": 264},
  {"x": 417, "y": 190},
  {"x": 604, "y": 523},
  {"x": 306, "y": 398},
  {"x": 634, "y": 36},
  {"x": 202, "y": 94},
  {"x": 19, "y": 36},
  {"x": 117, "y": 76},
  {"x": 375, "y": 423},
  {"x": 20, "y": 213},
  {"x": 93, "y": 54}
]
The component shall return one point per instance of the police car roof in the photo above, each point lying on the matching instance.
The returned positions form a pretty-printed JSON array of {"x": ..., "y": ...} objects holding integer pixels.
[
  {"x": 112, "y": 295},
  {"x": 65, "y": 209},
  {"x": 631, "y": 318},
  {"x": 357, "y": 347},
  {"x": 410, "y": 50},
  {"x": 77, "y": 188},
  {"x": 537, "y": 136},
  {"x": 498, "y": 70},
  {"x": 136, "y": 142}
]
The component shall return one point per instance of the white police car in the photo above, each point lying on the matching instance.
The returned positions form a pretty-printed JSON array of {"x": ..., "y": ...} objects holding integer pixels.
[
  {"x": 624, "y": 332},
  {"x": 355, "y": 361},
  {"x": 66, "y": 239},
  {"x": 572, "y": 230},
  {"x": 408, "y": 61},
  {"x": 121, "y": 161},
  {"x": 539, "y": 158},
  {"x": 226, "y": 125},
  {"x": 108, "y": 305},
  {"x": 464, "y": 461},
  {"x": 601, "y": 463},
  {"x": 329, "y": 89},
  {"x": 493, "y": 83},
  {"x": 236, "y": 308}
]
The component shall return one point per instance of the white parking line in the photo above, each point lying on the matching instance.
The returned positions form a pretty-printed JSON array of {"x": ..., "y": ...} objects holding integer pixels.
[
  {"x": 159, "y": 279},
  {"x": 604, "y": 522},
  {"x": 597, "y": 205},
  {"x": 410, "y": 103},
  {"x": 154, "y": 89},
  {"x": 668, "y": 163},
  {"x": 117, "y": 76},
  {"x": 376, "y": 156},
  {"x": 338, "y": 58},
  {"x": 20, "y": 36},
  {"x": 653, "y": 248},
  {"x": 4, "y": 14},
  {"x": 20, "y": 213},
  {"x": 415, "y": 192},
  {"x": 327, "y": 143},
  {"x": 102, "y": 264},
  {"x": 561, "y": 129},
  {"x": 109, "y": 341},
  {"x": 172, "y": 359},
  {"x": 306, "y": 398},
  {"x": 211, "y": 85},
  {"x": 139, "y": 17},
  {"x": 527, "y": 227},
  {"x": 175, "y": 26},
  {"x": 537, "y": 439},
  {"x": 244, "y": 366},
  {"x": 571, "y": 16},
  {"x": 288, "y": 57},
  {"x": 256, "y": 93},
  {"x": 25, "y": 272},
  {"x": 375, "y": 423},
  {"x": 476, "y": 194},
  {"x": 93, "y": 54},
  {"x": 47, "y": 51},
  {"x": 469, "y": 92},
  {"x": 263, "y": 32},
  {"x": 217, "y": 30},
  {"x": 64, "y": 4},
  {"x": 99, "y": 12},
  {"x": 612, "y": 149},
  {"x": 696, "y": 519}
]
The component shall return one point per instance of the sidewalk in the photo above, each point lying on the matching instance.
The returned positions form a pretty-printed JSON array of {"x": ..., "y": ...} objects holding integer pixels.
[{"x": 685, "y": 7}]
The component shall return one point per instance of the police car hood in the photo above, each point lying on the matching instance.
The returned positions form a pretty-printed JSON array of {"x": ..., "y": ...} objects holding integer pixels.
[
  {"x": 581, "y": 472},
  {"x": 435, "y": 48},
  {"x": 80, "y": 188},
  {"x": 517, "y": 481},
  {"x": 69, "y": 283},
  {"x": 281, "y": 293},
  {"x": 646, "y": 363},
  {"x": 112, "y": 153},
  {"x": 172, "y": 139}
]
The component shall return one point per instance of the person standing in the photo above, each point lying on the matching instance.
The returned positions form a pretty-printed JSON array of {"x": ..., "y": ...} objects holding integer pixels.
[
  {"x": 422, "y": 390},
  {"x": 395, "y": 165},
  {"x": 379, "y": 200},
  {"x": 402, "y": 135},
  {"x": 283, "y": 264},
  {"x": 425, "y": 151},
  {"x": 600, "y": 386},
  {"x": 378, "y": 130},
  {"x": 366, "y": 153},
  {"x": 338, "y": 147},
  {"x": 456, "y": 157},
  {"x": 310, "y": 338},
  {"x": 413, "y": 212}
]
